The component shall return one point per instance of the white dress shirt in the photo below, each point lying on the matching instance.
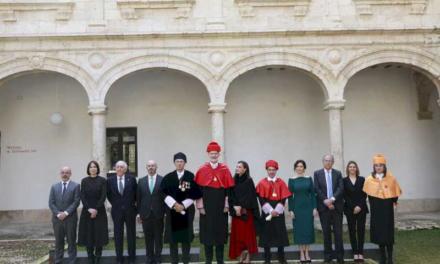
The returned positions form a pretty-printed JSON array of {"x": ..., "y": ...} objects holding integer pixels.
[
  {"x": 327, "y": 172},
  {"x": 62, "y": 188},
  {"x": 118, "y": 178}
]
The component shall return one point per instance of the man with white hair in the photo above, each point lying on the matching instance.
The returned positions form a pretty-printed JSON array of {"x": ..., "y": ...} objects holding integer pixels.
[
  {"x": 121, "y": 193},
  {"x": 329, "y": 188},
  {"x": 63, "y": 201}
]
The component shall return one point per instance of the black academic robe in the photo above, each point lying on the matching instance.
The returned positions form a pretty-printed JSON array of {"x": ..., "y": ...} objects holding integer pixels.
[
  {"x": 215, "y": 185},
  {"x": 178, "y": 227},
  {"x": 382, "y": 220},
  {"x": 243, "y": 194},
  {"x": 273, "y": 233}
]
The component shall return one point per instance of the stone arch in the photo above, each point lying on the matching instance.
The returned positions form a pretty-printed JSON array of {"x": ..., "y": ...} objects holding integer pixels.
[
  {"x": 153, "y": 61},
  {"x": 418, "y": 60},
  {"x": 16, "y": 67},
  {"x": 307, "y": 65}
]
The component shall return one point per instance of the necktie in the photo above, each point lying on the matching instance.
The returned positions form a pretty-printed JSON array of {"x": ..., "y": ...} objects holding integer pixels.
[
  {"x": 121, "y": 186},
  {"x": 64, "y": 188},
  {"x": 151, "y": 185},
  {"x": 329, "y": 185}
]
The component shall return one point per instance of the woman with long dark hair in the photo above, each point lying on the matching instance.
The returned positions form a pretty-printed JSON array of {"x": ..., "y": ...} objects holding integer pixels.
[
  {"x": 302, "y": 209},
  {"x": 93, "y": 225},
  {"x": 355, "y": 209},
  {"x": 383, "y": 190},
  {"x": 243, "y": 207}
]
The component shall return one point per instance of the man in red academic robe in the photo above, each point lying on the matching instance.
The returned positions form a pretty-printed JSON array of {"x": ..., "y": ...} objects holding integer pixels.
[
  {"x": 273, "y": 192},
  {"x": 215, "y": 179}
]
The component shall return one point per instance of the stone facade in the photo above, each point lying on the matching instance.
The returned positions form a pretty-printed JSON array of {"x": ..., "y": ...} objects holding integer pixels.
[{"x": 99, "y": 42}]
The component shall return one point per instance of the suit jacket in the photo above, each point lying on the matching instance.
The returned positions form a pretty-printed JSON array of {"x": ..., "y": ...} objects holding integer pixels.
[
  {"x": 354, "y": 195},
  {"x": 150, "y": 204},
  {"x": 68, "y": 202},
  {"x": 127, "y": 201},
  {"x": 321, "y": 189}
]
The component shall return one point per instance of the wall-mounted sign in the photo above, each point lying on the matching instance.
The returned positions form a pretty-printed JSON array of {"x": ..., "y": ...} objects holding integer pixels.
[{"x": 19, "y": 149}]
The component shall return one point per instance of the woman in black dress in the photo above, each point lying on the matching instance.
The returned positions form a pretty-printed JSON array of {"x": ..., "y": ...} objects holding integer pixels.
[
  {"x": 93, "y": 226},
  {"x": 355, "y": 209}
]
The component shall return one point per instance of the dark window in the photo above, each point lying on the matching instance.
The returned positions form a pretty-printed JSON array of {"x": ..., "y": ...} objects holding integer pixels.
[{"x": 122, "y": 145}]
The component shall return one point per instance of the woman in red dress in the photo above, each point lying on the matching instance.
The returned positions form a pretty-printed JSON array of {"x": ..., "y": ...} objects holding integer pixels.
[{"x": 243, "y": 207}]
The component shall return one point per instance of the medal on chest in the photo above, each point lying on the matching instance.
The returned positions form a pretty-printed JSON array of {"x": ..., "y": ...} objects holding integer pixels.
[
  {"x": 183, "y": 186},
  {"x": 274, "y": 193}
]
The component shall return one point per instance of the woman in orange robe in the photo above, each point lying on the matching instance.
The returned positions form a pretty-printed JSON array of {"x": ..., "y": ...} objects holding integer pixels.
[{"x": 383, "y": 190}]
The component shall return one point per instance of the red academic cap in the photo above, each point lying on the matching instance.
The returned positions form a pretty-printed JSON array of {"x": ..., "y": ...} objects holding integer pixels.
[
  {"x": 271, "y": 163},
  {"x": 213, "y": 146}
]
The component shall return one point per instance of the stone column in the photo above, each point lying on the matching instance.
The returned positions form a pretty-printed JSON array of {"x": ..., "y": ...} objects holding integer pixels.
[
  {"x": 217, "y": 111},
  {"x": 98, "y": 113},
  {"x": 334, "y": 109}
]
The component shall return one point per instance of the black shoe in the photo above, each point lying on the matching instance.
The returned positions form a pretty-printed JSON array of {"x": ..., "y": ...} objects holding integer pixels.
[
  {"x": 282, "y": 261},
  {"x": 341, "y": 261}
]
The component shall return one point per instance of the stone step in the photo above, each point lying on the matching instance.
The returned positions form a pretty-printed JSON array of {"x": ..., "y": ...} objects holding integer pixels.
[{"x": 371, "y": 251}]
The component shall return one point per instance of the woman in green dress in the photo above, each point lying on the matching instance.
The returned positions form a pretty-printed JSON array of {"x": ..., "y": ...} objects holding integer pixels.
[{"x": 302, "y": 209}]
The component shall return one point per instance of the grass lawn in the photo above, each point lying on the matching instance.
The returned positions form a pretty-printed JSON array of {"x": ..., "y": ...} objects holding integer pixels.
[
  {"x": 416, "y": 246},
  {"x": 22, "y": 251}
]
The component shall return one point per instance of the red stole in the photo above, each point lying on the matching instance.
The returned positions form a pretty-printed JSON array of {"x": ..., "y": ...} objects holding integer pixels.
[
  {"x": 273, "y": 191},
  {"x": 219, "y": 177}
]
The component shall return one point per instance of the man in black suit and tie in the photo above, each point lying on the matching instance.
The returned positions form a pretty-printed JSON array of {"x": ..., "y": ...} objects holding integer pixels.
[
  {"x": 329, "y": 188},
  {"x": 121, "y": 193},
  {"x": 150, "y": 201},
  {"x": 63, "y": 201}
]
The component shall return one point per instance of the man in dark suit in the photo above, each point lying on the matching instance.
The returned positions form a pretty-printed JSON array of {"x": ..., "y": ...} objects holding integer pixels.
[
  {"x": 150, "y": 201},
  {"x": 329, "y": 189},
  {"x": 63, "y": 201},
  {"x": 121, "y": 193}
]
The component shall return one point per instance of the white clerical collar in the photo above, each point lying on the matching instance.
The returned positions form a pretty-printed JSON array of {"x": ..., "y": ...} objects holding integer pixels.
[
  {"x": 272, "y": 179},
  {"x": 180, "y": 174},
  {"x": 213, "y": 165}
]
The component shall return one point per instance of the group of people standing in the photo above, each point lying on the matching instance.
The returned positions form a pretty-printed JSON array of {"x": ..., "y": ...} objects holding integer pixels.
[{"x": 166, "y": 206}]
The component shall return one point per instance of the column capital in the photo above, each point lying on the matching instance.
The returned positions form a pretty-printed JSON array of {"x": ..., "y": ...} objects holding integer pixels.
[
  {"x": 97, "y": 109},
  {"x": 217, "y": 108},
  {"x": 334, "y": 104}
]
